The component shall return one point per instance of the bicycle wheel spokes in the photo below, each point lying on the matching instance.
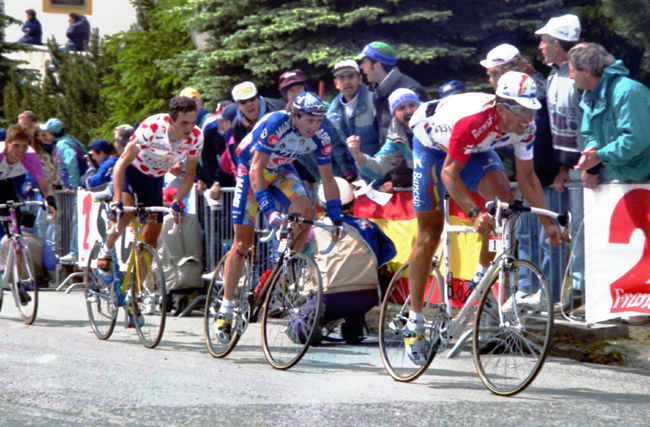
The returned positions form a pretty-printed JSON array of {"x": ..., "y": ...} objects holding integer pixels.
[
  {"x": 148, "y": 296},
  {"x": 509, "y": 351},
  {"x": 241, "y": 314},
  {"x": 392, "y": 321},
  {"x": 292, "y": 312},
  {"x": 100, "y": 302},
  {"x": 25, "y": 285}
]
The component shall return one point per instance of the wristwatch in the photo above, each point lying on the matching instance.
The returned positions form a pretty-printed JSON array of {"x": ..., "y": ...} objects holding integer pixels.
[{"x": 473, "y": 213}]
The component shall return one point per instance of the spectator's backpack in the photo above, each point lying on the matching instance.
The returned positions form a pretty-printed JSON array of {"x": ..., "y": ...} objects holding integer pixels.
[{"x": 181, "y": 253}]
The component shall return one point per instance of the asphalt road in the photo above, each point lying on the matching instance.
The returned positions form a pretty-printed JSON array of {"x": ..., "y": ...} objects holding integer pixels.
[{"x": 56, "y": 373}]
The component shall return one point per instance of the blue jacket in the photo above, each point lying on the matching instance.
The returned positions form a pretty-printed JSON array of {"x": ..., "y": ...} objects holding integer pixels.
[
  {"x": 33, "y": 32},
  {"x": 617, "y": 123},
  {"x": 70, "y": 159},
  {"x": 103, "y": 175},
  {"x": 78, "y": 34},
  {"x": 362, "y": 122}
]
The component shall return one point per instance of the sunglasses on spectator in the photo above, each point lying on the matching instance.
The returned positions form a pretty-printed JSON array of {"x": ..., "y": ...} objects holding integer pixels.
[
  {"x": 243, "y": 102},
  {"x": 519, "y": 110}
]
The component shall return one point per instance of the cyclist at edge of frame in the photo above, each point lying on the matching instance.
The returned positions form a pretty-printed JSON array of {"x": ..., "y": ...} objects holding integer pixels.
[
  {"x": 265, "y": 176},
  {"x": 453, "y": 150},
  {"x": 16, "y": 158},
  {"x": 160, "y": 141}
]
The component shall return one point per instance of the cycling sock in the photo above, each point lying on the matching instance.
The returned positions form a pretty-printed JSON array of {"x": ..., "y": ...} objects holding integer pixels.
[
  {"x": 227, "y": 306},
  {"x": 480, "y": 271},
  {"x": 106, "y": 251},
  {"x": 415, "y": 320}
]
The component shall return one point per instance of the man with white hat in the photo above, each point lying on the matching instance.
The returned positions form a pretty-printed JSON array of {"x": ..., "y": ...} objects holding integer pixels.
[
  {"x": 500, "y": 55},
  {"x": 252, "y": 107},
  {"x": 453, "y": 151},
  {"x": 558, "y": 36}
]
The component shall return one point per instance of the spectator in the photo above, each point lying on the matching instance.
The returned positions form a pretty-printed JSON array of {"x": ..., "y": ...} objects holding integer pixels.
[
  {"x": 211, "y": 175},
  {"x": 71, "y": 153},
  {"x": 399, "y": 143},
  {"x": 378, "y": 62},
  {"x": 48, "y": 154},
  {"x": 351, "y": 274},
  {"x": 352, "y": 112},
  {"x": 190, "y": 92},
  {"x": 78, "y": 32},
  {"x": 616, "y": 121},
  {"x": 121, "y": 136},
  {"x": 252, "y": 107},
  {"x": 27, "y": 119},
  {"x": 558, "y": 36},
  {"x": 225, "y": 118},
  {"x": 101, "y": 161},
  {"x": 292, "y": 84},
  {"x": 32, "y": 30}
]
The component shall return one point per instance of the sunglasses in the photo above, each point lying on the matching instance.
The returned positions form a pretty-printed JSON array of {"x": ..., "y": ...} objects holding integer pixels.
[
  {"x": 519, "y": 110},
  {"x": 246, "y": 101}
]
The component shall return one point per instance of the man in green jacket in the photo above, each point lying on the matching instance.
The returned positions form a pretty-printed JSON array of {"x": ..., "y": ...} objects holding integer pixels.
[{"x": 616, "y": 123}]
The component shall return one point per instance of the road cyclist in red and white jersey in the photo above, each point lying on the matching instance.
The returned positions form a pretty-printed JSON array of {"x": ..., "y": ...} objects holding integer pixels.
[
  {"x": 265, "y": 176},
  {"x": 453, "y": 152},
  {"x": 159, "y": 142}
]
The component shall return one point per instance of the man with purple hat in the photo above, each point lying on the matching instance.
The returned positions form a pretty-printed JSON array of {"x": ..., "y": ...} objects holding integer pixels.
[
  {"x": 453, "y": 151},
  {"x": 378, "y": 61}
]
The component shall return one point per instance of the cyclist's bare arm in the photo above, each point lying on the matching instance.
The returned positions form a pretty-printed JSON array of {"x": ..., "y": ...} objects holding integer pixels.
[
  {"x": 256, "y": 172},
  {"x": 330, "y": 187},
  {"x": 188, "y": 179}
]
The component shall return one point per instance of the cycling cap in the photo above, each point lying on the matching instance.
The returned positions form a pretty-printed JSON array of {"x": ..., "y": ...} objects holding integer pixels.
[
  {"x": 309, "y": 103},
  {"x": 500, "y": 55},
  {"x": 244, "y": 91},
  {"x": 347, "y": 65},
  {"x": 520, "y": 88},
  {"x": 345, "y": 190}
]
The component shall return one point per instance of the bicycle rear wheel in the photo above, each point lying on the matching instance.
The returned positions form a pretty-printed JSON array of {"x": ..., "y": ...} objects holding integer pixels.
[
  {"x": 509, "y": 354},
  {"x": 148, "y": 295},
  {"x": 100, "y": 298},
  {"x": 25, "y": 284},
  {"x": 392, "y": 321},
  {"x": 241, "y": 313},
  {"x": 292, "y": 311}
]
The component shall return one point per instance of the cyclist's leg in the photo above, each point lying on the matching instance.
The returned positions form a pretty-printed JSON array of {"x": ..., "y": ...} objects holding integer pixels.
[{"x": 291, "y": 193}]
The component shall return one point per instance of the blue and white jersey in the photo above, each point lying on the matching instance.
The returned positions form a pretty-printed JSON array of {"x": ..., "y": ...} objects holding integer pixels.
[{"x": 276, "y": 135}]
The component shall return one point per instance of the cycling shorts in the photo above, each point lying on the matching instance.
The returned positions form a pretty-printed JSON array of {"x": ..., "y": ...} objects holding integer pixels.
[
  {"x": 285, "y": 186},
  {"x": 429, "y": 190},
  {"x": 148, "y": 190}
]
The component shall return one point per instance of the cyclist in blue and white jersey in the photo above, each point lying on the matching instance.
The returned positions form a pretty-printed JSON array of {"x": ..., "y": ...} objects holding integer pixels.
[{"x": 265, "y": 177}]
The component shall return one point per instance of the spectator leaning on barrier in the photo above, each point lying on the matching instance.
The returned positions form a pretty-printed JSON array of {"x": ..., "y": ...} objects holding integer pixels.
[
  {"x": 47, "y": 153},
  {"x": 398, "y": 145},
  {"x": 32, "y": 30},
  {"x": 352, "y": 112},
  {"x": 78, "y": 32},
  {"x": 616, "y": 122},
  {"x": 121, "y": 136}
]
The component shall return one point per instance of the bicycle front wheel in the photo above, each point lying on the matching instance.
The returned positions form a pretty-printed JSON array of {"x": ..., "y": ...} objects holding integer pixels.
[
  {"x": 241, "y": 313},
  {"x": 511, "y": 340},
  {"x": 101, "y": 302},
  {"x": 25, "y": 284},
  {"x": 392, "y": 321},
  {"x": 292, "y": 311},
  {"x": 148, "y": 305}
]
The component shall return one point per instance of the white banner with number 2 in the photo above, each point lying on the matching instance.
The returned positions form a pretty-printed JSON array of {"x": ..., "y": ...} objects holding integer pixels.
[{"x": 617, "y": 251}]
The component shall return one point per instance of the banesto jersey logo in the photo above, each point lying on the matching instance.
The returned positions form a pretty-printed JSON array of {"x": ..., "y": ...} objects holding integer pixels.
[{"x": 476, "y": 133}]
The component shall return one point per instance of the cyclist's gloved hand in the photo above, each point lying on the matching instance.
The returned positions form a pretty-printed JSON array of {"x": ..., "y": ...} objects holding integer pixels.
[
  {"x": 113, "y": 209},
  {"x": 274, "y": 219},
  {"x": 177, "y": 207},
  {"x": 341, "y": 229},
  {"x": 334, "y": 210}
]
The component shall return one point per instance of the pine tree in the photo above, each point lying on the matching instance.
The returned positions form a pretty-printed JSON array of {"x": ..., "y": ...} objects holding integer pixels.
[
  {"x": 7, "y": 66},
  {"x": 435, "y": 41}
]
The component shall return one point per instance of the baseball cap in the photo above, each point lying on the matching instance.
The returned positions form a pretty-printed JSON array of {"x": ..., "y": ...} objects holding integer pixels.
[
  {"x": 290, "y": 78},
  {"x": 190, "y": 92},
  {"x": 228, "y": 113},
  {"x": 347, "y": 65},
  {"x": 451, "y": 88},
  {"x": 500, "y": 55},
  {"x": 380, "y": 52},
  {"x": 102, "y": 145},
  {"x": 565, "y": 28},
  {"x": 244, "y": 91},
  {"x": 520, "y": 88},
  {"x": 401, "y": 96},
  {"x": 53, "y": 125}
]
